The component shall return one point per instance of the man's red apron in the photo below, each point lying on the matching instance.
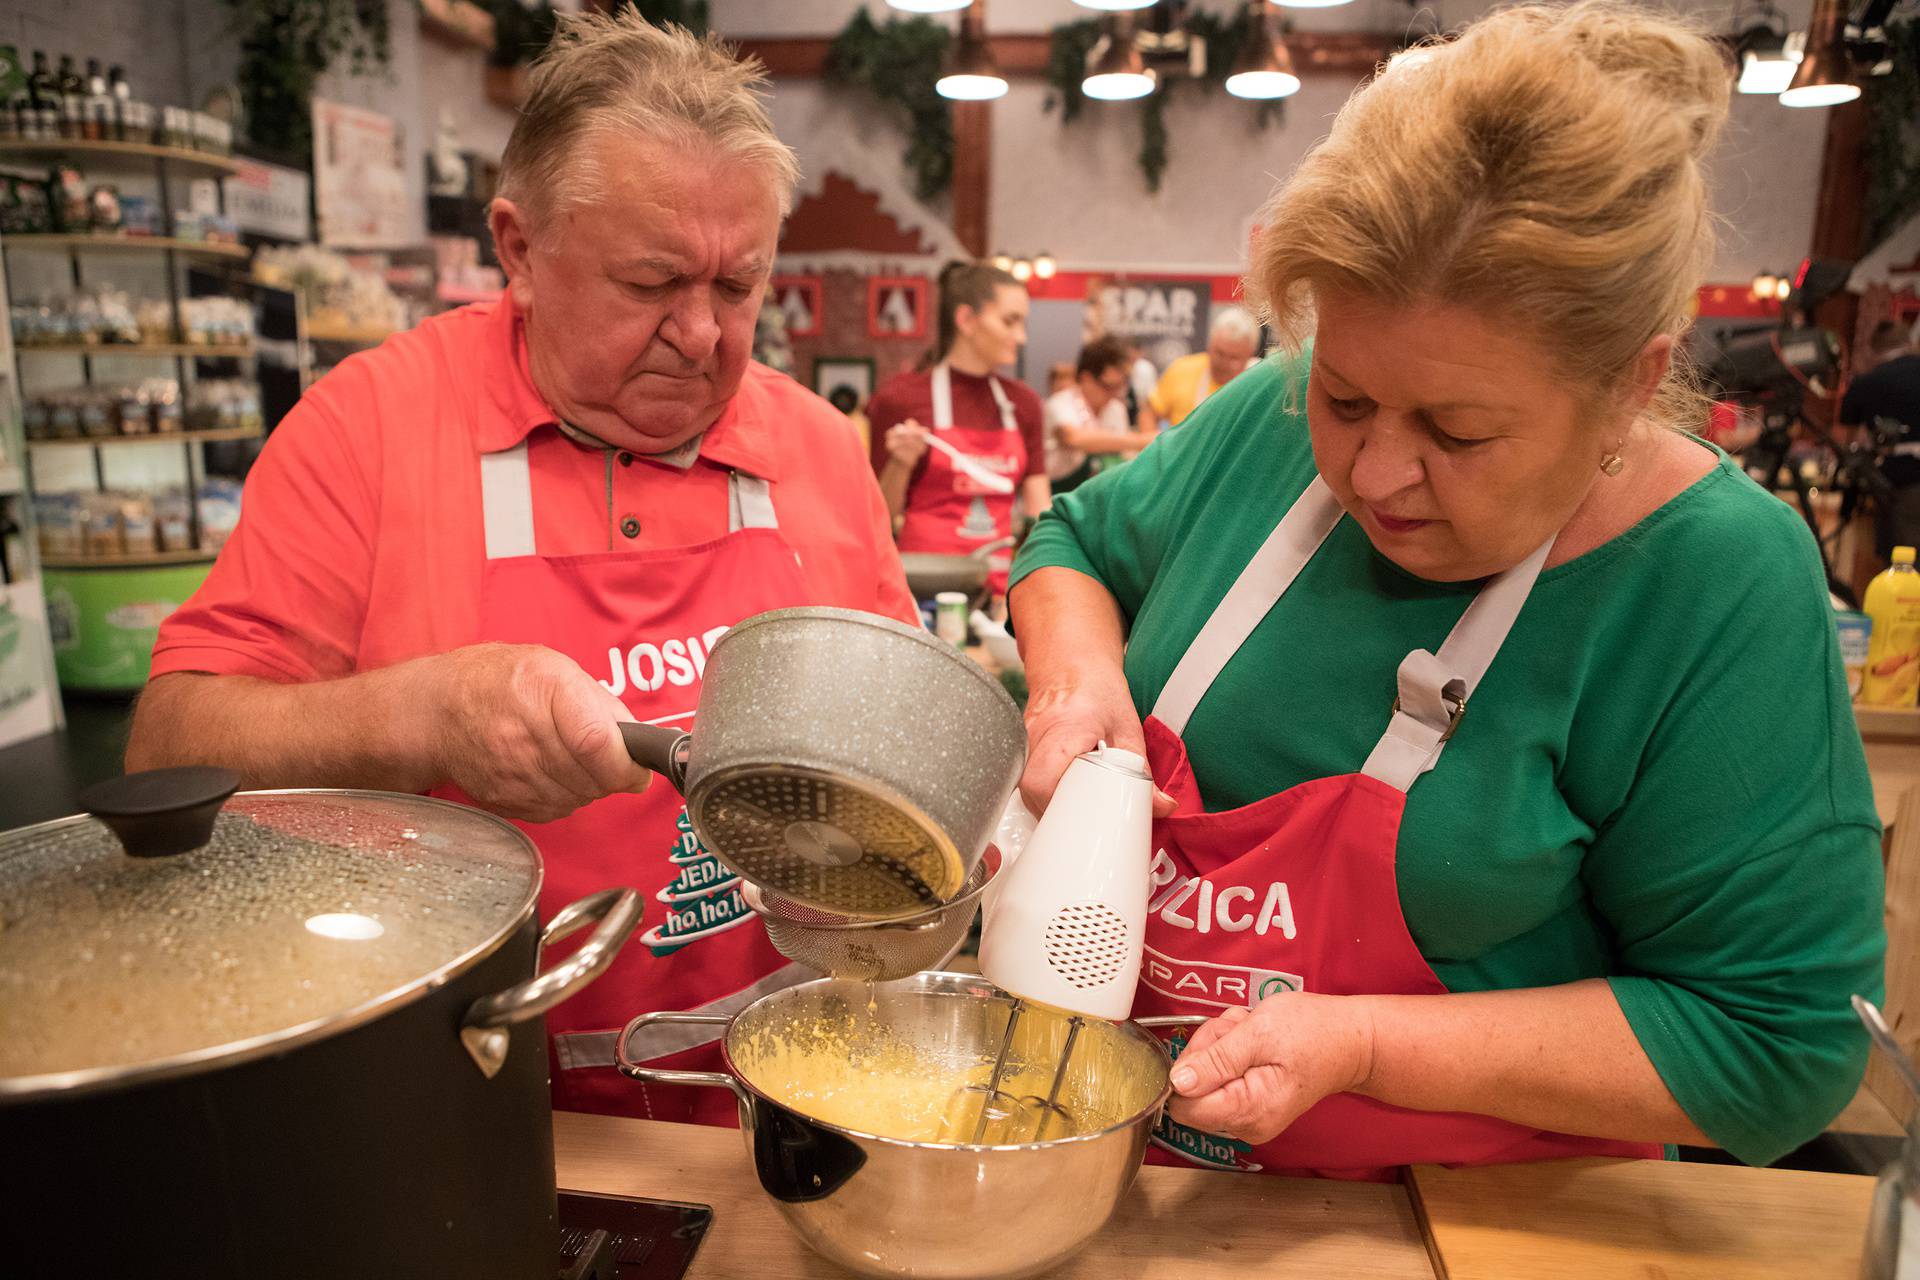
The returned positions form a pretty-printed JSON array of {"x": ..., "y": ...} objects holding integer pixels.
[
  {"x": 1298, "y": 892},
  {"x": 642, "y": 622},
  {"x": 952, "y": 512}
]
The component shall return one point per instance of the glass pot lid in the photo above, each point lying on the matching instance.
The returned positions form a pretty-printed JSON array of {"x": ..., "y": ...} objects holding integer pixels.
[{"x": 282, "y": 915}]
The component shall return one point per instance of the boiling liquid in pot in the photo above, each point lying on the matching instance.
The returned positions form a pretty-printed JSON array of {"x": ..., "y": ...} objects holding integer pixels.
[
  {"x": 908, "y": 1078},
  {"x": 299, "y": 910}
]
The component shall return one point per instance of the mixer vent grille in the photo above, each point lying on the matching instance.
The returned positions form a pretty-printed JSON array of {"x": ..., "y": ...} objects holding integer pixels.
[{"x": 1087, "y": 944}]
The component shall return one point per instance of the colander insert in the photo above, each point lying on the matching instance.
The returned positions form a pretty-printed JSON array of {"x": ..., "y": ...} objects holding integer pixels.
[{"x": 827, "y": 842}]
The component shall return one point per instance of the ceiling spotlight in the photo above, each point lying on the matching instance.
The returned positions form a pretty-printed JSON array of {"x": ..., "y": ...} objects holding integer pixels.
[
  {"x": 1763, "y": 285},
  {"x": 1768, "y": 59},
  {"x": 1114, "y": 5},
  {"x": 929, "y": 6},
  {"x": 1022, "y": 270},
  {"x": 1783, "y": 288},
  {"x": 1311, "y": 4},
  {"x": 1823, "y": 78},
  {"x": 1003, "y": 260},
  {"x": 971, "y": 75},
  {"x": 1044, "y": 266},
  {"x": 1264, "y": 68},
  {"x": 1116, "y": 71}
]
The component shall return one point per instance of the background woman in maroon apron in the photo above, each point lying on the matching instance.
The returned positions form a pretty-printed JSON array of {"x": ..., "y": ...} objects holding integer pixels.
[{"x": 956, "y": 445}]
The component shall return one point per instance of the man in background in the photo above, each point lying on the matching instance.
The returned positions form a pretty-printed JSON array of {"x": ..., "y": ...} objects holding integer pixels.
[{"x": 1232, "y": 340}]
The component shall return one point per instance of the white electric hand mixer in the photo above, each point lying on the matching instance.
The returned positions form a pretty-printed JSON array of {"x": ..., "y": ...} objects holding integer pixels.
[{"x": 1064, "y": 924}]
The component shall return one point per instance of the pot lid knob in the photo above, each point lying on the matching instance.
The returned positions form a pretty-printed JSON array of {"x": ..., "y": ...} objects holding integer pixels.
[{"x": 162, "y": 811}]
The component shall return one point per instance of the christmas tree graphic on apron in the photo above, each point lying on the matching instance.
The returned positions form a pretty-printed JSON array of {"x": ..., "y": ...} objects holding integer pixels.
[{"x": 702, "y": 899}]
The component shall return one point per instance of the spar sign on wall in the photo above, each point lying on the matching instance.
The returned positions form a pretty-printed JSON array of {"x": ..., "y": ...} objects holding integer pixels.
[{"x": 1168, "y": 318}]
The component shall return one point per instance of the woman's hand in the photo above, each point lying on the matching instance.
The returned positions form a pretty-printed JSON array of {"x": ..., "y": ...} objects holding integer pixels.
[
  {"x": 1066, "y": 721},
  {"x": 907, "y": 443},
  {"x": 1250, "y": 1074}
]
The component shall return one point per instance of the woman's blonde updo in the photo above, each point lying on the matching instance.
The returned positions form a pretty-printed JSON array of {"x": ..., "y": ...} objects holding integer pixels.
[{"x": 1547, "y": 165}]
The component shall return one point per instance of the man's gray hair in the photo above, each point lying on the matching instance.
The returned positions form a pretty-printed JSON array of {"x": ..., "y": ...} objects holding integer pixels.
[
  {"x": 1235, "y": 323},
  {"x": 621, "y": 74}
]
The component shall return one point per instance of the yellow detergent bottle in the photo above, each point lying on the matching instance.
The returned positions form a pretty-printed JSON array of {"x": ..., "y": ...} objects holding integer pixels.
[{"x": 1893, "y": 654}]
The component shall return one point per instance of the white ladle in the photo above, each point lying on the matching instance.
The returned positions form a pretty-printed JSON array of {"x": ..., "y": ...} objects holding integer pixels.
[{"x": 986, "y": 479}]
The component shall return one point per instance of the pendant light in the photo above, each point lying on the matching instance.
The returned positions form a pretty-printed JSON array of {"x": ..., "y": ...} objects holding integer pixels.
[
  {"x": 1116, "y": 72},
  {"x": 1264, "y": 69},
  {"x": 1824, "y": 77},
  {"x": 971, "y": 74},
  {"x": 1768, "y": 59},
  {"x": 1112, "y": 6},
  {"x": 928, "y": 6},
  {"x": 1044, "y": 266},
  {"x": 1311, "y": 4}
]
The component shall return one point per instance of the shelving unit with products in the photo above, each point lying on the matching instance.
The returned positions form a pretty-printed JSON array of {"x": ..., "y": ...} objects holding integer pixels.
[
  {"x": 125, "y": 535},
  {"x": 29, "y": 705}
]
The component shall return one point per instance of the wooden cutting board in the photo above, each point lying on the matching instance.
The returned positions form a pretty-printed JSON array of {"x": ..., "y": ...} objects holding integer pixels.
[{"x": 1644, "y": 1219}]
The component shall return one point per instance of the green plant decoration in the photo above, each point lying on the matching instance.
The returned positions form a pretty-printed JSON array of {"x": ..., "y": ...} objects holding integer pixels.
[
  {"x": 1071, "y": 42},
  {"x": 519, "y": 32},
  {"x": 285, "y": 47},
  {"x": 899, "y": 63},
  {"x": 1893, "y": 149}
]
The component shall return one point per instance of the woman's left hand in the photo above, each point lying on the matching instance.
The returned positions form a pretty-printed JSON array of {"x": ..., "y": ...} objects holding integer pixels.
[{"x": 1248, "y": 1074}]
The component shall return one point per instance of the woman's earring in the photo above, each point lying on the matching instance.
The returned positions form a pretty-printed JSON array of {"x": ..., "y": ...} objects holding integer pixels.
[{"x": 1611, "y": 465}]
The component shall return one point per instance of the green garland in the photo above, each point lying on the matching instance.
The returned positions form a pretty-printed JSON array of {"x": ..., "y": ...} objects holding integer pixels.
[
  {"x": 1893, "y": 155},
  {"x": 1067, "y": 62},
  {"x": 285, "y": 47},
  {"x": 899, "y": 63}
]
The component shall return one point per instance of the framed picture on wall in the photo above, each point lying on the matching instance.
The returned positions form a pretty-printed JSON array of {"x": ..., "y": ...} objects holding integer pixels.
[
  {"x": 897, "y": 307},
  {"x": 845, "y": 382},
  {"x": 800, "y": 300}
]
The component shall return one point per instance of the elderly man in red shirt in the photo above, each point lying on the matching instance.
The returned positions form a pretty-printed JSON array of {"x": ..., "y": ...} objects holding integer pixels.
[{"x": 468, "y": 555}]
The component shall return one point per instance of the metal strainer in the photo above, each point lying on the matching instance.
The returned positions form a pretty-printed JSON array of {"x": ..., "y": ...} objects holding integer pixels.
[
  {"x": 875, "y": 950},
  {"x": 846, "y": 761}
]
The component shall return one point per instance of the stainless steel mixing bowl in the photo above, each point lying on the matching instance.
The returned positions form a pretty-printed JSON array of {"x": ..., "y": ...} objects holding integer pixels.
[{"x": 944, "y": 1211}]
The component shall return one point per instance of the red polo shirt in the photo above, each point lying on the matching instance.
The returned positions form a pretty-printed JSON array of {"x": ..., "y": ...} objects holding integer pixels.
[{"x": 360, "y": 542}]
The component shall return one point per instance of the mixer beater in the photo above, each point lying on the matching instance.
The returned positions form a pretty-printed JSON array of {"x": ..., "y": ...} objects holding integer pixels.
[{"x": 1064, "y": 928}]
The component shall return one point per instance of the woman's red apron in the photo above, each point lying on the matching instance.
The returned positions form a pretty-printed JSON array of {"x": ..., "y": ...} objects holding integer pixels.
[
  {"x": 642, "y": 622},
  {"x": 1298, "y": 892},
  {"x": 951, "y": 512}
]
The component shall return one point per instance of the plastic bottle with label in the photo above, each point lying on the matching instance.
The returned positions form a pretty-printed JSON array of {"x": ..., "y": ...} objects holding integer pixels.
[{"x": 1892, "y": 677}]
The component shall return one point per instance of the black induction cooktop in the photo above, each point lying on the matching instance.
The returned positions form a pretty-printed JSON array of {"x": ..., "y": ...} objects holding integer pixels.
[{"x": 624, "y": 1238}]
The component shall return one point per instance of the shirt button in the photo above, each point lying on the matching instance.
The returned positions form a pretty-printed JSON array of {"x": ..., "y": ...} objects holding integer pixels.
[
  {"x": 626, "y": 459},
  {"x": 630, "y": 526}
]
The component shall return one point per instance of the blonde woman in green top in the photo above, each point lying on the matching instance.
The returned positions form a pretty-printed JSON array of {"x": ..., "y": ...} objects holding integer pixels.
[{"x": 1591, "y": 865}]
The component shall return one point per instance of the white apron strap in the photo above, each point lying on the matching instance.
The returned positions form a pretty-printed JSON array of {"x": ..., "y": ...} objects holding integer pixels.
[
  {"x": 942, "y": 385},
  {"x": 1434, "y": 688},
  {"x": 1253, "y": 594},
  {"x": 506, "y": 503},
  {"x": 749, "y": 503}
]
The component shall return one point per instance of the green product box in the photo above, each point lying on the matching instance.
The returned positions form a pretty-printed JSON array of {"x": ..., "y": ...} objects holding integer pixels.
[{"x": 104, "y": 620}]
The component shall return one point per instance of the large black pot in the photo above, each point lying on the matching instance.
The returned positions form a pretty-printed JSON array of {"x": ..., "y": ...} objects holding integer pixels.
[{"x": 408, "y": 1135}]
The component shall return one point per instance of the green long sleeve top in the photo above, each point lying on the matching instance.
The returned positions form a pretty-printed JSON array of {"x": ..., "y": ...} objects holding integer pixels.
[{"x": 1659, "y": 781}]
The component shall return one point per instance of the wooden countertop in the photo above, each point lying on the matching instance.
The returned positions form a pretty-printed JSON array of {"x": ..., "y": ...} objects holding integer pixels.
[
  {"x": 1176, "y": 1224},
  {"x": 1602, "y": 1219},
  {"x": 1590, "y": 1219}
]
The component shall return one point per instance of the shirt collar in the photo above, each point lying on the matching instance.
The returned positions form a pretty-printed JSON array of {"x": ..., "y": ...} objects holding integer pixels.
[{"x": 740, "y": 439}]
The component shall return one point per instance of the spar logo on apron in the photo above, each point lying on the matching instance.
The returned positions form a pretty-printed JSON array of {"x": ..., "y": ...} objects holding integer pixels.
[
  {"x": 702, "y": 899},
  {"x": 1198, "y": 1145}
]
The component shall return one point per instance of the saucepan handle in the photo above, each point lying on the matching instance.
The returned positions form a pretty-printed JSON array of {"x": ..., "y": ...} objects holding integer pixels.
[
  {"x": 484, "y": 1030},
  {"x": 661, "y": 1075},
  {"x": 661, "y": 749}
]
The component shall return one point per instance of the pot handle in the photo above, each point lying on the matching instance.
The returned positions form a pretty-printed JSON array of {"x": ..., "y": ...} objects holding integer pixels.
[
  {"x": 484, "y": 1030},
  {"x": 662, "y": 1075},
  {"x": 661, "y": 749}
]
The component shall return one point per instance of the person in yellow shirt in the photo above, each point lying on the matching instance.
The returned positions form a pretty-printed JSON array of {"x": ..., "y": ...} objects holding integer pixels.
[{"x": 1231, "y": 342}]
